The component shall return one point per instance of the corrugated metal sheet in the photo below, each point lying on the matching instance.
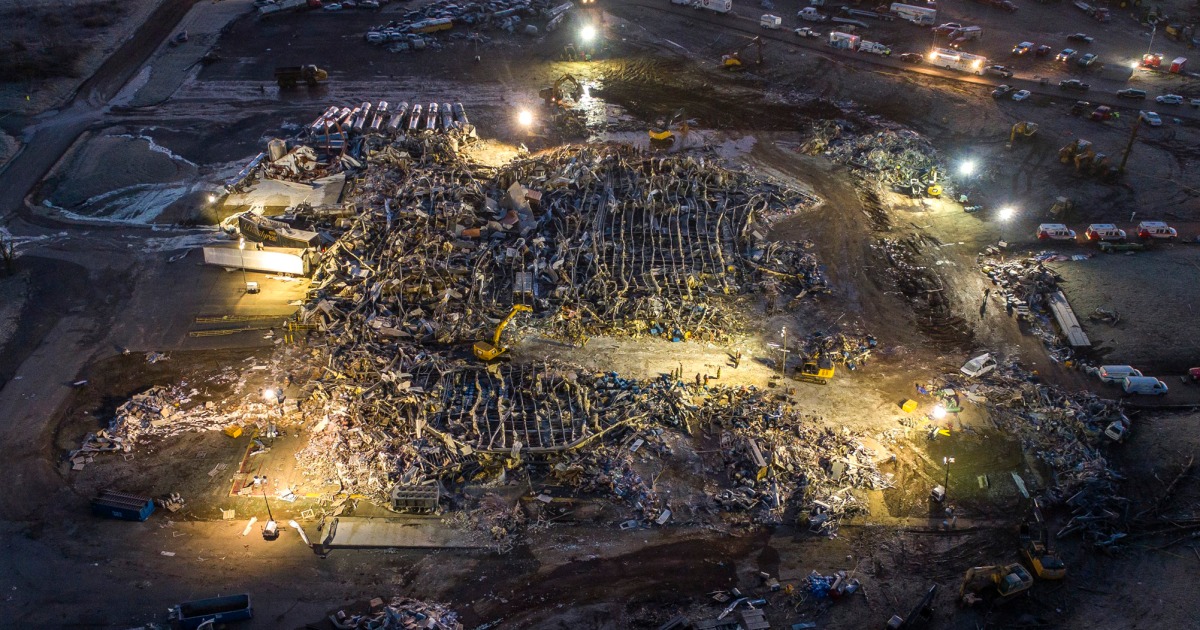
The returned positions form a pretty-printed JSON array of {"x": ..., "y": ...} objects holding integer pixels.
[{"x": 1068, "y": 322}]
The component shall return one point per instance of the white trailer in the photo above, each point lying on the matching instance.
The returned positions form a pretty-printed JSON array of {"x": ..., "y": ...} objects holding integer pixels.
[
  {"x": 270, "y": 259},
  {"x": 716, "y": 6},
  {"x": 957, "y": 60},
  {"x": 281, "y": 5},
  {"x": 772, "y": 22},
  {"x": 844, "y": 41},
  {"x": 920, "y": 16},
  {"x": 811, "y": 14}
]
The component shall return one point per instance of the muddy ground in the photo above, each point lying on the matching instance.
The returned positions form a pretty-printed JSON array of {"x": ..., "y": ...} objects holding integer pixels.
[{"x": 589, "y": 574}]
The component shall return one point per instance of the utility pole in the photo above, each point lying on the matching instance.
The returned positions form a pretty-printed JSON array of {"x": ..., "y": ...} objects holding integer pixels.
[
  {"x": 1129, "y": 147},
  {"x": 242, "y": 258},
  {"x": 947, "y": 461}
]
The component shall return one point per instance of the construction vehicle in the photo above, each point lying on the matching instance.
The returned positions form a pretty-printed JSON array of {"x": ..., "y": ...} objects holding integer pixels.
[
  {"x": 663, "y": 131},
  {"x": 485, "y": 351},
  {"x": 1035, "y": 547},
  {"x": 733, "y": 60},
  {"x": 994, "y": 582},
  {"x": 290, "y": 76},
  {"x": 1025, "y": 128},
  {"x": 817, "y": 370},
  {"x": 921, "y": 613},
  {"x": 565, "y": 88},
  {"x": 1078, "y": 151}
]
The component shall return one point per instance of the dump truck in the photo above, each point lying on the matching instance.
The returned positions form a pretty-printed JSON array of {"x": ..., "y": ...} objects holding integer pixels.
[{"x": 290, "y": 76}]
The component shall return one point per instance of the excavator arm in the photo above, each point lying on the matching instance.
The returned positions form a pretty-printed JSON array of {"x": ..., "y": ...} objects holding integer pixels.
[{"x": 487, "y": 351}]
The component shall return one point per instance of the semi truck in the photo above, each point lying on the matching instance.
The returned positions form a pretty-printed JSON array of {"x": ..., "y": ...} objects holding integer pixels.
[
  {"x": 921, "y": 16},
  {"x": 716, "y": 6},
  {"x": 957, "y": 60}
]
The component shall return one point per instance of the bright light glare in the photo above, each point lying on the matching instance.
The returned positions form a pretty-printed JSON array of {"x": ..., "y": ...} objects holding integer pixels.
[
  {"x": 967, "y": 168},
  {"x": 1133, "y": 64},
  {"x": 212, "y": 198},
  {"x": 269, "y": 395},
  {"x": 939, "y": 412},
  {"x": 525, "y": 118},
  {"x": 1007, "y": 213},
  {"x": 587, "y": 33},
  {"x": 241, "y": 243}
]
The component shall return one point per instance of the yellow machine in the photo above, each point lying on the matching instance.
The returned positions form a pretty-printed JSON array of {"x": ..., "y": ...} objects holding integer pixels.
[
  {"x": 1007, "y": 582},
  {"x": 291, "y": 76},
  {"x": 565, "y": 88},
  {"x": 818, "y": 370},
  {"x": 733, "y": 60},
  {"x": 487, "y": 351},
  {"x": 663, "y": 131},
  {"x": 1024, "y": 128},
  {"x": 1035, "y": 547}
]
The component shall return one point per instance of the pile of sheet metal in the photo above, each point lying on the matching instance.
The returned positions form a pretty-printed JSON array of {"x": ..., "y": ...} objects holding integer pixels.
[{"x": 888, "y": 154}]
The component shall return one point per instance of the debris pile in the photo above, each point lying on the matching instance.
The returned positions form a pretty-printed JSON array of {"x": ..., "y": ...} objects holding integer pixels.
[
  {"x": 927, "y": 295},
  {"x": 1025, "y": 285},
  {"x": 162, "y": 411},
  {"x": 889, "y": 155},
  {"x": 401, "y": 614}
]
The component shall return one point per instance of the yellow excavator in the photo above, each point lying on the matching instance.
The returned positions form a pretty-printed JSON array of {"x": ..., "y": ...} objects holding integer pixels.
[
  {"x": 733, "y": 60},
  {"x": 1023, "y": 128},
  {"x": 565, "y": 88},
  {"x": 663, "y": 131},
  {"x": 1035, "y": 547},
  {"x": 1002, "y": 582},
  {"x": 485, "y": 351},
  {"x": 817, "y": 370}
]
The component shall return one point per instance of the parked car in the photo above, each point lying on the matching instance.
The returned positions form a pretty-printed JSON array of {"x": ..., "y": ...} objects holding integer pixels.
[
  {"x": 1079, "y": 107},
  {"x": 1155, "y": 229},
  {"x": 911, "y": 58},
  {"x": 1132, "y": 93},
  {"x": 1055, "y": 232},
  {"x": 1087, "y": 60},
  {"x": 1169, "y": 99},
  {"x": 1195, "y": 102},
  {"x": 1042, "y": 51},
  {"x": 332, "y": 7},
  {"x": 1000, "y": 71},
  {"x": 1104, "y": 232},
  {"x": 1023, "y": 48},
  {"x": 947, "y": 28},
  {"x": 1079, "y": 37},
  {"x": 1074, "y": 84},
  {"x": 1067, "y": 54},
  {"x": 1117, "y": 373},
  {"x": 1102, "y": 113},
  {"x": 804, "y": 31},
  {"x": 1007, "y": 5},
  {"x": 1020, "y": 95},
  {"x": 1150, "y": 118},
  {"x": 1001, "y": 91}
]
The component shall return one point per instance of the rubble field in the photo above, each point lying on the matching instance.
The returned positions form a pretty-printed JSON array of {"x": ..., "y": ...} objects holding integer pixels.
[{"x": 652, "y": 446}]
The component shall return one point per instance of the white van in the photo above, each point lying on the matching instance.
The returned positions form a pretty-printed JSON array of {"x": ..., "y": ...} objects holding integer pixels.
[
  {"x": 1104, "y": 232},
  {"x": 1145, "y": 386},
  {"x": 1055, "y": 232},
  {"x": 1117, "y": 373}
]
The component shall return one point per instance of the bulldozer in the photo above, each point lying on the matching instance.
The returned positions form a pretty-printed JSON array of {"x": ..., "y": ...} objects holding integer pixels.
[
  {"x": 733, "y": 60},
  {"x": 1023, "y": 128},
  {"x": 290, "y": 76},
  {"x": 485, "y": 351},
  {"x": 565, "y": 88},
  {"x": 817, "y": 370},
  {"x": 994, "y": 582},
  {"x": 663, "y": 131}
]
